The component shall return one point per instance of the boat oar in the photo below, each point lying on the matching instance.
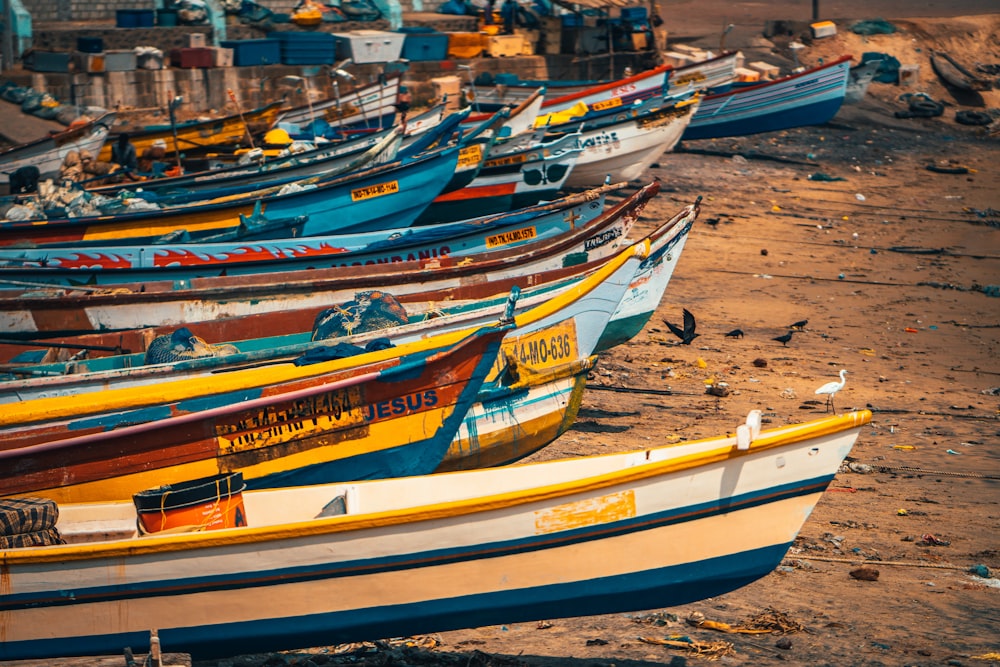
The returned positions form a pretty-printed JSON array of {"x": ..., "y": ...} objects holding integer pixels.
[
  {"x": 239, "y": 108},
  {"x": 174, "y": 103}
]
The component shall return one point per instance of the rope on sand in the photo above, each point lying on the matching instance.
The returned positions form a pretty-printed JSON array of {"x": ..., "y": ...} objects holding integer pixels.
[
  {"x": 865, "y": 561},
  {"x": 920, "y": 471}
]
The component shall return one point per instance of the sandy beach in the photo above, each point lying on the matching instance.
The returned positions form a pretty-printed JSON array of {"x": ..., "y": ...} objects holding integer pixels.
[
  {"x": 895, "y": 270},
  {"x": 890, "y": 264}
]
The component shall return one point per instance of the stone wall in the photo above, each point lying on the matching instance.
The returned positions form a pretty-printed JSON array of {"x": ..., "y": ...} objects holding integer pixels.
[
  {"x": 46, "y": 11},
  {"x": 205, "y": 90},
  {"x": 55, "y": 11}
]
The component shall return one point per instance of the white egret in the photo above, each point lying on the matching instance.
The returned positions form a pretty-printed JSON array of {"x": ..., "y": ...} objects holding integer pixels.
[{"x": 831, "y": 388}]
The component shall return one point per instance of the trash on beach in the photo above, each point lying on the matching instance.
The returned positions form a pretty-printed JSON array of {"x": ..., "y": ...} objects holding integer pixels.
[
  {"x": 864, "y": 573},
  {"x": 980, "y": 570},
  {"x": 873, "y": 27},
  {"x": 820, "y": 176},
  {"x": 705, "y": 649},
  {"x": 773, "y": 621}
]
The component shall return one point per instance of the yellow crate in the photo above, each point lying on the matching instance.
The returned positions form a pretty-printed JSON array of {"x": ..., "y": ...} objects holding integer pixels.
[
  {"x": 823, "y": 29},
  {"x": 504, "y": 46},
  {"x": 746, "y": 75},
  {"x": 466, "y": 44}
]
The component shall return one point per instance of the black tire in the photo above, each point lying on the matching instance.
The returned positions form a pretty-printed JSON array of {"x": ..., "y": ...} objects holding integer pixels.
[
  {"x": 926, "y": 108},
  {"x": 973, "y": 118},
  {"x": 19, "y": 516}
]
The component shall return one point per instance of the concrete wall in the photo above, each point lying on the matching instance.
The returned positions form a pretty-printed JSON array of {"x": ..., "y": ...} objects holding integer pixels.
[
  {"x": 51, "y": 11},
  {"x": 205, "y": 90},
  {"x": 44, "y": 11}
]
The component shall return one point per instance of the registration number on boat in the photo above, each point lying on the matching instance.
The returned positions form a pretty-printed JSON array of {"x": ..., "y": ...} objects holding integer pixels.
[
  {"x": 510, "y": 159},
  {"x": 548, "y": 347},
  {"x": 378, "y": 190},
  {"x": 513, "y": 236},
  {"x": 606, "y": 104},
  {"x": 470, "y": 156},
  {"x": 298, "y": 419}
]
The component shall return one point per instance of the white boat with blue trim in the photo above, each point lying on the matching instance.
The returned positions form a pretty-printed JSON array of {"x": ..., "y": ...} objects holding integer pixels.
[{"x": 374, "y": 559}]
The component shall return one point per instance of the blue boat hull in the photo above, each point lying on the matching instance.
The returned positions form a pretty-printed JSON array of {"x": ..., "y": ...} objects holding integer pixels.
[{"x": 810, "y": 98}]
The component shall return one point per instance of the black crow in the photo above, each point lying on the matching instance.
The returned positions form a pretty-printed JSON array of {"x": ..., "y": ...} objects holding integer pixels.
[{"x": 686, "y": 334}]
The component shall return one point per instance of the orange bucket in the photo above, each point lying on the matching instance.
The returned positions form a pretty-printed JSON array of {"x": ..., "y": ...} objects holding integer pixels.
[{"x": 209, "y": 503}]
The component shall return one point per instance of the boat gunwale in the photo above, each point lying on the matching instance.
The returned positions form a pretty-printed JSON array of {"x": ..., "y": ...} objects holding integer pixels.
[
  {"x": 725, "y": 450},
  {"x": 163, "y": 290}
]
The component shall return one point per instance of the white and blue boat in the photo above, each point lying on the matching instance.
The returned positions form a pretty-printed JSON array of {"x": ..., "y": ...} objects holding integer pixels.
[{"x": 811, "y": 97}]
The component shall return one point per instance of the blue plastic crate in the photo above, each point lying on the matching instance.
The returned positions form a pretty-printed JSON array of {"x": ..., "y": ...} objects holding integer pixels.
[
  {"x": 425, "y": 46},
  {"x": 249, "y": 52},
  {"x": 135, "y": 18},
  {"x": 314, "y": 48}
]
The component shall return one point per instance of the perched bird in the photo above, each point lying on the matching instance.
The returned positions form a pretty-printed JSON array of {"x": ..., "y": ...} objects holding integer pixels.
[
  {"x": 686, "y": 334},
  {"x": 831, "y": 388},
  {"x": 785, "y": 338},
  {"x": 735, "y": 333},
  {"x": 798, "y": 326}
]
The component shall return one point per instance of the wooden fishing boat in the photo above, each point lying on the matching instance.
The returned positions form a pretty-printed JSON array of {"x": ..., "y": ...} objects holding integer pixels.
[
  {"x": 382, "y": 197},
  {"x": 858, "y": 79},
  {"x": 622, "y": 92},
  {"x": 521, "y": 117},
  {"x": 320, "y": 165},
  {"x": 71, "y": 447},
  {"x": 399, "y": 557},
  {"x": 619, "y": 143},
  {"x": 260, "y": 306},
  {"x": 509, "y": 181},
  {"x": 114, "y": 264},
  {"x": 380, "y": 414},
  {"x": 811, "y": 97},
  {"x": 324, "y": 160},
  {"x": 48, "y": 153},
  {"x": 81, "y": 374},
  {"x": 650, "y": 281},
  {"x": 623, "y": 151},
  {"x": 232, "y": 130},
  {"x": 711, "y": 75},
  {"x": 508, "y": 423},
  {"x": 369, "y": 106},
  {"x": 956, "y": 75}
]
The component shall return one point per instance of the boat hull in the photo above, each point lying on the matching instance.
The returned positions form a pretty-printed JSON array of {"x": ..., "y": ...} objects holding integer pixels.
[
  {"x": 49, "y": 153},
  {"x": 624, "y": 151},
  {"x": 810, "y": 98},
  {"x": 383, "y": 197},
  {"x": 508, "y": 424},
  {"x": 452, "y": 551},
  {"x": 388, "y": 418}
]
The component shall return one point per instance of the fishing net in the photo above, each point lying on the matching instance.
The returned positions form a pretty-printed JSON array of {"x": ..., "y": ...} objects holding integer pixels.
[
  {"x": 368, "y": 311},
  {"x": 182, "y": 344},
  {"x": 873, "y": 27}
]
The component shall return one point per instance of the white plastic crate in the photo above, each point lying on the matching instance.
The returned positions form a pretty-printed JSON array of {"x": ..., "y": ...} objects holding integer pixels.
[{"x": 369, "y": 46}]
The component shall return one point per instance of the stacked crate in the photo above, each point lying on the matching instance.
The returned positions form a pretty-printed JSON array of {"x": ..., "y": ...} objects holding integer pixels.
[
  {"x": 249, "y": 52},
  {"x": 306, "y": 48}
]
